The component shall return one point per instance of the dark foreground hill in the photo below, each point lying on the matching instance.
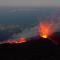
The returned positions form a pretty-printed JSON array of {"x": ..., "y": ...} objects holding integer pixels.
[{"x": 35, "y": 49}]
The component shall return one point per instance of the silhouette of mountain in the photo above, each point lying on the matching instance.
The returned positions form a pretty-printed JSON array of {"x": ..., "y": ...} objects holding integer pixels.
[{"x": 35, "y": 48}]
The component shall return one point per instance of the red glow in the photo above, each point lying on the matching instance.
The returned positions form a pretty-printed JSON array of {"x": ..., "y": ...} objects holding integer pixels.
[
  {"x": 13, "y": 41},
  {"x": 22, "y": 40},
  {"x": 45, "y": 29}
]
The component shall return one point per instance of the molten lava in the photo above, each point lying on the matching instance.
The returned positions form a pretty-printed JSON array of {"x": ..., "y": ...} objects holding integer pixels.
[
  {"x": 22, "y": 40},
  {"x": 45, "y": 29}
]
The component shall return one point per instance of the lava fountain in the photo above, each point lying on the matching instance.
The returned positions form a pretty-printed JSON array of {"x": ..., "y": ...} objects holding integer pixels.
[{"x": 45, "y": 29}]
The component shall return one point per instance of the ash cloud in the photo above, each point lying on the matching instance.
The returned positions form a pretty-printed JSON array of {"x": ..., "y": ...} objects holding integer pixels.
[{"x": 53, "y": 19}]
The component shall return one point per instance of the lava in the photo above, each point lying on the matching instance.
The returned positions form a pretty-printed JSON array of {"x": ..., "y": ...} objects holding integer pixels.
[
  {"x": 22, "y": 40},
  {"x": 45, "y": 29},
  {"x": 13, "y": 41}
]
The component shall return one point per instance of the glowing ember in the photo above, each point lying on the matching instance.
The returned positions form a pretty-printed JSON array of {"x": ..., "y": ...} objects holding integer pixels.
[
  {"x": 45, "y": 29},
  {"x": 22, "y": 40}
]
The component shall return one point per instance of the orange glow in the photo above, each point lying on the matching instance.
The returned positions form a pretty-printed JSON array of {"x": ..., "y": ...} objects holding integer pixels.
[
  {"x": 44, "y": 36},
  {"x": 45, "y": 29},
  {"x": 22, "y": 40}
]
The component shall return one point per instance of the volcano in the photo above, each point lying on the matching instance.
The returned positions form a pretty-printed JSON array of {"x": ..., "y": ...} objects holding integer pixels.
[{"x": 35, "y": 47}]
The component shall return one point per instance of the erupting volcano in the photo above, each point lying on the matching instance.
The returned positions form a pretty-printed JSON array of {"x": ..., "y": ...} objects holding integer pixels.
[{"x": 45, "y": 29}]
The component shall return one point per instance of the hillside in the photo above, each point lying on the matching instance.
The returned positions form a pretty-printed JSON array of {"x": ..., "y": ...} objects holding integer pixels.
[{"x": 36, "y": 48}]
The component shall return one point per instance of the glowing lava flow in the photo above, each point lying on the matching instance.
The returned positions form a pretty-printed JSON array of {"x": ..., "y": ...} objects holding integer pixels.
[
  {"x": 22, "y": 40},
  {"x": 45, "y": 29}
]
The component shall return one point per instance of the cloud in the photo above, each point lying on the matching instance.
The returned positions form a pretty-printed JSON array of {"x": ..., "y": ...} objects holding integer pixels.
[{"x": 30, "y": 3}]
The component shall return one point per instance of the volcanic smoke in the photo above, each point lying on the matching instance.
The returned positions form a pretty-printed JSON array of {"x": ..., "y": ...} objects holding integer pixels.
[{"x": 45, "y": 28}]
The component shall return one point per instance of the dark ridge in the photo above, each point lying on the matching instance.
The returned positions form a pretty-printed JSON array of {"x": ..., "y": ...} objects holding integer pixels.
[{"x": 56, "y": 37}]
